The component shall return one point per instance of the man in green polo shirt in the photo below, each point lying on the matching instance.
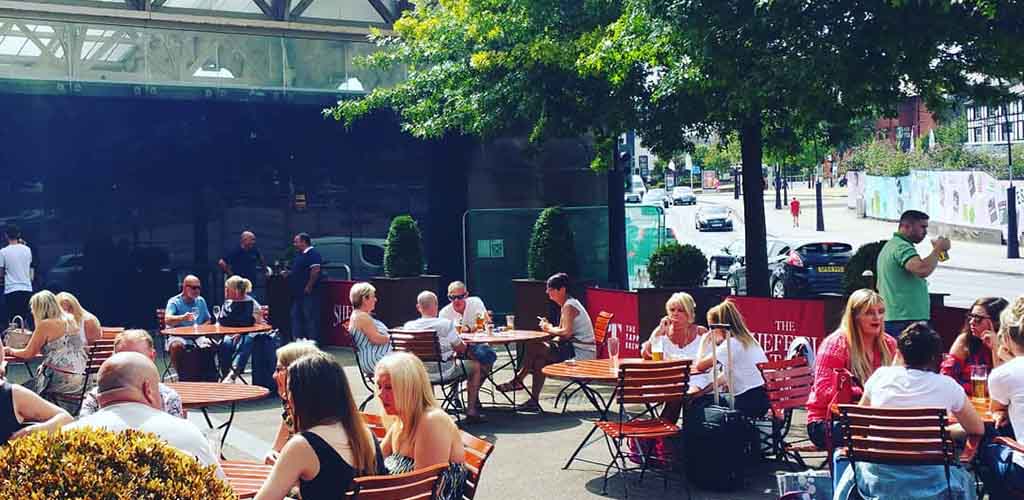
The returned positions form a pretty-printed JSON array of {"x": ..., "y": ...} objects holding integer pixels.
[{"x": 902, "y": 272}]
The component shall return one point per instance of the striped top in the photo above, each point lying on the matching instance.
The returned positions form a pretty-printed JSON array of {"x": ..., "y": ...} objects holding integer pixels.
[{"x": 370, "y": 353}]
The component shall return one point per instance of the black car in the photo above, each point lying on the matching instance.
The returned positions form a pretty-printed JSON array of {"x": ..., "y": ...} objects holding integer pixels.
[
  {"x": 800, "y": 268},
  {"x": 713, "y": 217},
  {"x": 720, "y": 264}
]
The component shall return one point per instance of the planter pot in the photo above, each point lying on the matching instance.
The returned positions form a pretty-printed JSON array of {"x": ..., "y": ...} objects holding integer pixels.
[
  {"x": 532, "y": 301},
  {"x": 397, "y": 297},
  {"x": 651, "y": 305}
]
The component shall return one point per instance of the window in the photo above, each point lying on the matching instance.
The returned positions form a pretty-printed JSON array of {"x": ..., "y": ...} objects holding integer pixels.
[
  {"x": 991, "y": 134},
  {"x": 372, "y": 254},
  {"x": 970, "y": 113},
  {"x": 979, "y": 112},
  {"x": 975, "y": 134},
  {"x": 1018, "y": 133}
]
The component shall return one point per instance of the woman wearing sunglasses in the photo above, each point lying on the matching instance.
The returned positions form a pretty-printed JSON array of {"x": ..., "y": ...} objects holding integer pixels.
[{"x": 976, "y": 344}]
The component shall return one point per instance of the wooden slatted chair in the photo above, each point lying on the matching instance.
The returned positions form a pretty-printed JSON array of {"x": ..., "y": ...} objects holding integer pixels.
[
  {"x": 365, "y": 378},
  {"x": 477, "y": 452},
  {"x": 99, "y": 351},
  {"x": 424, "y": 345},
  {"x": 648, "y": 383},
  {"x": 897, "y": 436},
  {"x": 788, "y": 383},
  {"x": 375, "y": 423},
  {"x": 604, "y": 319},
  {"x": 419, "y": 484}
]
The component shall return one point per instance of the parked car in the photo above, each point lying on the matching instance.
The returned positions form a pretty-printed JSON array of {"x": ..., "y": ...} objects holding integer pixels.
[
  {"x": 713, "y": 217},
  {"x": 632, "y": 198},
  {"x": 799, "y": 268},
  {"x": 363, "y": 256},
  {"x": 683, "y": 196},
  {"x": 720, "y": 262},
  {"x": 670, "y": 235},
  {"x": 637, "y": 185},
  {"x": 657, "y": 196}
]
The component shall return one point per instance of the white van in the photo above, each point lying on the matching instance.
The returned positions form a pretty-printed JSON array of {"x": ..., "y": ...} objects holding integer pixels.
[{"x": 363, "y": 256}]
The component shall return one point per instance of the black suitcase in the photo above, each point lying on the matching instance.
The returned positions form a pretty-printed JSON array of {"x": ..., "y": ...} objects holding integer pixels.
[
  {"x": 264, "y": 360},
  {"x": 717, "y": 439},
  {"x": 198, "y": 365}
]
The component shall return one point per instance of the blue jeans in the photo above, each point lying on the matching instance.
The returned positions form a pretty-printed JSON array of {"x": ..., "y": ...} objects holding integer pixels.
[
  {"x": 895, "y": 328},
  {"x": 234, "y": 353},
  {"x": 306, "y": 316}
]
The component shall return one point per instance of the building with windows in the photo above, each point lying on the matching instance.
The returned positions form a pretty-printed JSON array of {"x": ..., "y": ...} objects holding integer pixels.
[
  {"x": 912, "y": 121},
  {"x": 988, "y": 124}
]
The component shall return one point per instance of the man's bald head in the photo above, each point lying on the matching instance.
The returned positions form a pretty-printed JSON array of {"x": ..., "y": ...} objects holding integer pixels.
[{"x": 127, "y": 370}]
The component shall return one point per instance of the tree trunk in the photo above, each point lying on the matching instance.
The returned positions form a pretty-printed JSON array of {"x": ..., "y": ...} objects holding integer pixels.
[
  {"x": 618, "y": 274},
  {"x": 753, "y": 208}
]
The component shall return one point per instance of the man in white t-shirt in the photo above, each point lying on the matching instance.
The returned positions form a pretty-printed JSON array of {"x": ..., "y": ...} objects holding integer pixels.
[
  {"x": 451, "y": 345},
  {"x": 129, "y": 398},
  {"x": 16, "y": 273},
  {"x": 462, "y": 308}
]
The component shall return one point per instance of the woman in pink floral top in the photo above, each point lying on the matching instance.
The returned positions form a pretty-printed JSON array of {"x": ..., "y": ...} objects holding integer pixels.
[
  {"x": 860, "y": 345},
  {"x": 974, "y": 346}
]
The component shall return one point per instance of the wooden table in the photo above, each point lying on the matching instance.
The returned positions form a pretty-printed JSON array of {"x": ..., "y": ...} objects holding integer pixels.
[
  {"x": 202, "y": 395},
  {"x": 18, "y": 361},
  {"x": 505, "y": 338},
  {"x": 245, "y": 477}
]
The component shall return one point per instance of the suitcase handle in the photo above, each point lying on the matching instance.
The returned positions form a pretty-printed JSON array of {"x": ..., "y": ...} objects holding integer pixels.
[{"x": 727, "y": 328}]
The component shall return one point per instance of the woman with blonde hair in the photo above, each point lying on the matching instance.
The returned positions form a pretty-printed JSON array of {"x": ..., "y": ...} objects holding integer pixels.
[
  {"x": 61, "y": 375},
  {"x": 423, "y": 434},
  {"x": 369, "y": 335},
  {"x": 239, "y": 309},
  {"x": 333, "y": 445},
  {"x": 680, "y": 338},
  {"x": 286, "y": 355},
  {"x": 747, "y": 384},
  {"x": 88, "y": 324},
  {"x": 860, "y": 346}
]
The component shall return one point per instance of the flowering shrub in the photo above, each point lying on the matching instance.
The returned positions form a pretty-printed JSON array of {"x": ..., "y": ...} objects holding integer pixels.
[{"x": 98, "y": 464}]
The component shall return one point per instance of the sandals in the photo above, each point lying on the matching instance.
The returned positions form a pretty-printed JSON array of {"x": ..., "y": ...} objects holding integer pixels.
[
  {"x": 511, "y": 385},
  {"x": 474, "y": 419},
  {"x": 530, "y": 406}
]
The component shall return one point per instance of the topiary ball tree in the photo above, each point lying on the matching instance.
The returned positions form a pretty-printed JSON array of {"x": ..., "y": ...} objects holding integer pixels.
[
  {"x": 403, "y": 250},
  {"x": 864, "y": 259},
  {"x": 677, "y": 266},
  {"x": 552, "y": 246}
]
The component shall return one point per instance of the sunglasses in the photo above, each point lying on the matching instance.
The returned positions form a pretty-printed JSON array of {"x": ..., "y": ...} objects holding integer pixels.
[
  {"x": 194, "y": 287},
  {"x": 458, "y": 297},
  {"x": 977, "y": 317}
]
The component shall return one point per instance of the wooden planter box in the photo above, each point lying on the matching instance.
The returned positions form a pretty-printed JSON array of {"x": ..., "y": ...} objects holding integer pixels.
[
  {"x": 396, "y": 297},
  {"x": 532, "y": 301}
]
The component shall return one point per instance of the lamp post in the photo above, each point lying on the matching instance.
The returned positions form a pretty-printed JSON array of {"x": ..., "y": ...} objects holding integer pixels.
[
  {"x": 778, "y": 189},
  {"x": 735, "y": 183},
  {"x": 1012, "y": 235}
]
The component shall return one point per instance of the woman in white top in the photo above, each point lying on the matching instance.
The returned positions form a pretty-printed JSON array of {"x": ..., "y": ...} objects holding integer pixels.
[
  {"x": 1003, "y": 471},
  {"x": 88, "y": 324},
  {"x": 747, "y": 385},
  {"x": 575, "y": 334},
  {"x": 680, "y": 338}
]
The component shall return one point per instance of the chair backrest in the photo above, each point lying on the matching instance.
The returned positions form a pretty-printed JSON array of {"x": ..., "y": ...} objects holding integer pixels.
[
  {"x": 160, "y": 319},
  {"x": 897, "y": 436},
  {"x": 99, "y": 352},
  {"x": 788, "y": 383},
  {"x": 265, "y": 313},
  {"x": 416, "y": 485},
  {"x": 477, "y": 452},
  {"x": 651, "y": 382},
  {"x": 604, "y": 318},
  {"x": 375, "y": 423},
  {"x": 420, "y": 343}
]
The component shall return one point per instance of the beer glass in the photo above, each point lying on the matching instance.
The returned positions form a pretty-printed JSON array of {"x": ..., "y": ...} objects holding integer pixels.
[{"x": 979, "y": 382}]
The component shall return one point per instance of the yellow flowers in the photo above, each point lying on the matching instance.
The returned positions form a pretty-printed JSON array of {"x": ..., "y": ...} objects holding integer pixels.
[{"x": 91, "y": 464}]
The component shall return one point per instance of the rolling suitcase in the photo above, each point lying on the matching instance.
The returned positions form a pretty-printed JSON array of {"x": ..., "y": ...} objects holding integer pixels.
[
  {"x": 717, "y": 438},
  {"x": 264, "y": 360},
  {"x": 198, "y": 365}
]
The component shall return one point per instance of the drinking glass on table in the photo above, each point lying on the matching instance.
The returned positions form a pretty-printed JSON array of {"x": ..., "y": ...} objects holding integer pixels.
[
  {"x": 212, "y": 436},
  {"x": 979, "y": 381},
  {"x": 510, "y": 321},
  {"x": 195, "y": 318},
  {"x": 613, "y": 351},
  {"x": 216, "y": 316}
]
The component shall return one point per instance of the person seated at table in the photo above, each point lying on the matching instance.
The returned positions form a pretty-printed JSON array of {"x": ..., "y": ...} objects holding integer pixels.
[
  {"x": 680, "y": 338},
  {"x": 61, "y": 375},
  {"x": 463, "y": 309},
  {"x": 369, "y": 335},
  {"x": 423, "y": 434},
  {"x": 749, "y": 394},
  {"x": 286, "y": 355},
  {"x": 859, "y": 346},
  {"x": 916, "y": 384},
  {"x": 975, "y": 344},
  {"x": 23, "y": 412},
  {"x": 1002, "y": 468},
  {"x": 88, "y": 325},
  {"x": 185, "y": 309},
  {"x": 239, "y": 309},
  {"x": 451, "y": 346},
  {"x": 575, "y": 340},
  {"x": 333, "y": 445},
  {"x": 129, "y": 397},
  {"x": 136, "y": 341}
]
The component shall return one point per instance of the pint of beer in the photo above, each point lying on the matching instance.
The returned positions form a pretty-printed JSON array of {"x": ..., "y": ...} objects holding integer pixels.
[
  {"x": 979, "y": 382},
  {"x": 657, "y": 349}
]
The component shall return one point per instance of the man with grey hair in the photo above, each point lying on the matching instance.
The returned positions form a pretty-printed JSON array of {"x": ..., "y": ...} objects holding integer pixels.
[
  {"x": 451, "y": 345},
  {"x": 129, "y": 398}
]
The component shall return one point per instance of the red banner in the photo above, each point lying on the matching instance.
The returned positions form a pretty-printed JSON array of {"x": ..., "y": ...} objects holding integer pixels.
[
  {"x": 335, "y": 311},
  {"x": 776, "y": 322},
  {"x": 625, "y": 323}
]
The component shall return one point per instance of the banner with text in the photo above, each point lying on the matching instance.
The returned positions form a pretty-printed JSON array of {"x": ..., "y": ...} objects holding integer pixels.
[
  {"x": 776, "y": 322},
  {"x": 335, "y": 311},
  {"x": 625, "y": 323}
]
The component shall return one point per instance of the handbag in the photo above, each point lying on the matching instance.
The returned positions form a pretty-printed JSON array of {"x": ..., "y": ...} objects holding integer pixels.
[{"x": 16, "y": 336}]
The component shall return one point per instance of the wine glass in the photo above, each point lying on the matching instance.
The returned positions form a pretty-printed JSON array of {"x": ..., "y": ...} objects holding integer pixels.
[
  {"x": 216, "y": 316},
  {"x": 195, "y": 317}
]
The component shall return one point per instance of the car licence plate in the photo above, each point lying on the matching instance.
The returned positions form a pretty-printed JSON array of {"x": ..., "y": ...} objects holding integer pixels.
[{"x": 831, "y": 269}]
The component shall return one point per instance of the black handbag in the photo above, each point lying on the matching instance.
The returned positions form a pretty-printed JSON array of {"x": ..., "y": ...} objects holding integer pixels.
[{"x": 238, "y": 313}]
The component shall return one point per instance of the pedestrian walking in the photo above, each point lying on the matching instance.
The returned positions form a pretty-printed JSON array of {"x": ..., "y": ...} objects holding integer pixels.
[
  {"x": 902, "y": 272},
  {"x": 794, "y": 210}
]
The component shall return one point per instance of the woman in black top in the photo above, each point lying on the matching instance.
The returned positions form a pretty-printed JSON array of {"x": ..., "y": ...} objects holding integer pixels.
[
  {"x": 333, "y": 445},
  {"x": 23, "y": 412}
]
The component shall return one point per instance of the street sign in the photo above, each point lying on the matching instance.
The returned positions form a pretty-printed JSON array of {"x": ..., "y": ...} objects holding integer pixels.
[{"x": 670, "y": 179}]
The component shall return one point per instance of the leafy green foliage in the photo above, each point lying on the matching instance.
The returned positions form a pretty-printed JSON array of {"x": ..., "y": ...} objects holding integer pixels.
[
  {"x": 884, "y": 158},
  {"x": 864, "y": 259},
  {"x": 403, "y": 250},
  {"x": 673, "y": 265},
  {"x": 552, "y": 246}
]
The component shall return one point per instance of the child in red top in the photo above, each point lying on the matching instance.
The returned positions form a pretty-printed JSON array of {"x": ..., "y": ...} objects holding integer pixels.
[{"x": 794, "y": 210}]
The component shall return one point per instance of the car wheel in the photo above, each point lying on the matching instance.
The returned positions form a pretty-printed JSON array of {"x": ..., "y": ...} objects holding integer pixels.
[{"x": 778, "y": 289}]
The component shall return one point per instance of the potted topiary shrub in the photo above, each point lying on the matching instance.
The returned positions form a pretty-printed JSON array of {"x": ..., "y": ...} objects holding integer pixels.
[
  {"x": 552, "y": 250},
  {"x": 403, "y": 276},
  {"x": 94, "y": 463},
  {"x": 676, "y": 268},
  {"x": 864, "y": 259}
]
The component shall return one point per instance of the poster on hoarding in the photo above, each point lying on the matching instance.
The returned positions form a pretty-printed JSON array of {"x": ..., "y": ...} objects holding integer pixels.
[
  {"x": 776, "y": 323},
  {"x": 335, "y": 311},
  {"x": 709, "y": 179},
  {"x": 645, "y": 232}
]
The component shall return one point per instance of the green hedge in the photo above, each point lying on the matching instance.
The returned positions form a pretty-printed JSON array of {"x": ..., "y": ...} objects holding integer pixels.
[{"x": 403, "y": 250}]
